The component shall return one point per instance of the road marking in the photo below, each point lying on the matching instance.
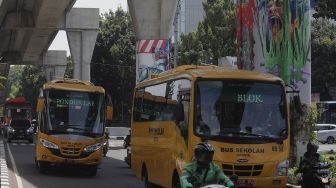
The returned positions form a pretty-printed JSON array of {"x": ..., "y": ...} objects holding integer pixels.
[
  {"x": 4, "y": 177},
  {"x": 21, "y": 144},
  {"x": 16, "y": 172}
]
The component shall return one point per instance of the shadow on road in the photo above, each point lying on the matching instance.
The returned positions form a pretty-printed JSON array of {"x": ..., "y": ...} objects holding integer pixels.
[{"x": 111, "y": 173}]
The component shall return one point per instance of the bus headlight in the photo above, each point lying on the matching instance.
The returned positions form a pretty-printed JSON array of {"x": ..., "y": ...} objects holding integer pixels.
[
  {"x": 282, "y": 168},
  {"x": 92, "y": 148},
  {"x": 48, "y": 144}
]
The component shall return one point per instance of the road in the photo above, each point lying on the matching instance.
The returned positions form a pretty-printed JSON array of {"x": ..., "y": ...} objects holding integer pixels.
[
  {"x": 326, "y": 148},
  {"x": 113, "y": 172}
]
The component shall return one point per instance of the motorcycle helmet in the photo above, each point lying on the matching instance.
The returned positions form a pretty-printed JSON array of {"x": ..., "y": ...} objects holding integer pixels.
[
  {"x": 312, "y": 147},
  {"x": 204, "y": 154}
]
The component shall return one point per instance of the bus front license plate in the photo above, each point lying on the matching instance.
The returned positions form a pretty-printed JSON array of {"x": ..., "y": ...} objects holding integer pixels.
[
  {"x": 69, "y": 161},
  {"x": 245, "y": 182}
]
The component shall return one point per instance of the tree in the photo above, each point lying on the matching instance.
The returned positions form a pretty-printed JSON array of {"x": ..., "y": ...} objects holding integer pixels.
[
  {"x": 217, "y": 30},
  {"x": 323, "y": 54},
  {"x": 325, "y": 9},
  {"x": 113, "y": 62},
  {"x": 32, "y": 79},
  {"x": 13, "y": 84},
  {"x": 69, "y": 69},
  {"x": 190, "y": 50}
]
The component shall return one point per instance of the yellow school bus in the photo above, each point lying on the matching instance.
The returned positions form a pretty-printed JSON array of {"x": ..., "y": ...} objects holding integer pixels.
[
  {"x": 71, "y": 119},
  {"x": 242, "y": 114}
]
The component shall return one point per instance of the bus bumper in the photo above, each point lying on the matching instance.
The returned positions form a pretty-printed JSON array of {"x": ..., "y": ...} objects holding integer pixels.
[{"x": 46, "y": 156}]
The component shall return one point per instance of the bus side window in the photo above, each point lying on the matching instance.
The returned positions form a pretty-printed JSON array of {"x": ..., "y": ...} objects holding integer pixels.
[{"x": 179, "y": 94}]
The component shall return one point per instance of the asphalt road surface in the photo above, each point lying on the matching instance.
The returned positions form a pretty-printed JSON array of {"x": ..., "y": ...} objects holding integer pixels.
[{"x": 113, "y": 172}]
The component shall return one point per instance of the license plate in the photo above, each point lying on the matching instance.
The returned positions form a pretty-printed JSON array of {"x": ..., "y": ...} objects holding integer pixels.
[
  {"x": 70, "y": 161},
  {"x": 245, "y": 182}
]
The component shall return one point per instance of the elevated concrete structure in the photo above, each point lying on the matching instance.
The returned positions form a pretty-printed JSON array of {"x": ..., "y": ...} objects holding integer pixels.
[
  {"x": 27, "y": 28},
  {"x": 82, "y": 26},
  {"x": 55, "y": 62},
  {"x": 152, "y": 20}
]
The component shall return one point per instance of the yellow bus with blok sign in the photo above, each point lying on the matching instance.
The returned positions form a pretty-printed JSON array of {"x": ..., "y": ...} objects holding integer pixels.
[{"x": 244, "y": 115}]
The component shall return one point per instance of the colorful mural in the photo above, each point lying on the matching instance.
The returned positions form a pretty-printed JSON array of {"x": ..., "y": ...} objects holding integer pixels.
[
  {"x": 153, "y": 58},
  {"x": 274, "y": 36}
]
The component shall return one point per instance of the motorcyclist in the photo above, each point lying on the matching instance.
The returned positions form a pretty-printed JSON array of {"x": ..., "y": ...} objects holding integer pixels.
[
  {"x": 202, "y": 171},
  {"x": 127, "y": 140},
  {"x": 307, "y": 162}
]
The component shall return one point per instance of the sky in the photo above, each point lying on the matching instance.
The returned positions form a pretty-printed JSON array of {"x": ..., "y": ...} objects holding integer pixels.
[{"x": 61, "y": 42}]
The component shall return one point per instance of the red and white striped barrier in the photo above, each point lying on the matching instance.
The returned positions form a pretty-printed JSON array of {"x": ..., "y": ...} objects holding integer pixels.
[{"x": 148, "y": 46}]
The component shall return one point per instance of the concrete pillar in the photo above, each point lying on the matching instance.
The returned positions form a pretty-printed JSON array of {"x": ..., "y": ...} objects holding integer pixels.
[
  {"x": 81, "y": 25},
  {"x": 55, "y": 63},
  {"x": 81, "y": 45},
  {"x": 152, "y": 20}
]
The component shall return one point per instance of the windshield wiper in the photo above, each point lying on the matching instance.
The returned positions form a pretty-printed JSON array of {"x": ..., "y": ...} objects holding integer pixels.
[
  {"x": 248, "y": 134},
  {"x": 76, "y": 128}
]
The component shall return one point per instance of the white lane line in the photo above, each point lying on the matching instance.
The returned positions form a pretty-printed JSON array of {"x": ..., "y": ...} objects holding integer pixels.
[
  {"x": 4, "y": 178},
  {"x": 16, "y": 172}
]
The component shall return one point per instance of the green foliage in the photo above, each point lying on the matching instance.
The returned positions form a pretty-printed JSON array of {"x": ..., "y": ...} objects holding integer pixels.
[
  {"x": 218, "y": 28},
  {"x": 190, "y": 50},
  {"x": 293, "y": 177},
  {"x": 323, "y": 34},
  {"x": 69, "y": 69},
  {"x": 32, "y": 79},
  {"x": 325, "y": 9},
  {"x": 302, "y": 126},
  {"x": 113, "y": 62},
  {"x": 13, "y": 84}
]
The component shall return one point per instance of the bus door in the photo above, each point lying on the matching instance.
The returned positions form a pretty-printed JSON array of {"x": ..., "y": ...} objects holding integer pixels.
[{"x": 179, "y": 94}]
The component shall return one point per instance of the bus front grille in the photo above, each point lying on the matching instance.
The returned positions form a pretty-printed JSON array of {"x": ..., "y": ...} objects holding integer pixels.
[
  {"x": 71, "y": 151},
  {"x": 243, "y": 170}
]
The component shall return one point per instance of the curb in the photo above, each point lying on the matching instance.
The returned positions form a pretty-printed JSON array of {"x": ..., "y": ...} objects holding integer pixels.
[{"x": 292, "y": 186}]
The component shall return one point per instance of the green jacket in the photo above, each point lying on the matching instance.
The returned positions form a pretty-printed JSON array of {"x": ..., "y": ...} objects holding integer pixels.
[
  {"x": 214, "y": 176},
  {"x": 307, "y": 161}
]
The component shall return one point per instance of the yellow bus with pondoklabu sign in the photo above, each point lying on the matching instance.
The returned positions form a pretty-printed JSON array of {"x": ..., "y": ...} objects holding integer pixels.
[
  {"x": 242, "y": 114},
  {"x": 72, "y": 117}
]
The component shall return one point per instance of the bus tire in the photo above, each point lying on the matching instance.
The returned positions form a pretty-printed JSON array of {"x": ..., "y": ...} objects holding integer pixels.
[
  {"x": 176, "y": 180},
  {"x": 145, "y": 178},
  {"x": 42, "y": 167},
  {"x": 330, "y": 140}
]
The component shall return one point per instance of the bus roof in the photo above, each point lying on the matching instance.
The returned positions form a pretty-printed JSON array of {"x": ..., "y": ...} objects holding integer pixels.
[
  {"x": 194, "y": 71},
  {"x": 73, "y": 85}
]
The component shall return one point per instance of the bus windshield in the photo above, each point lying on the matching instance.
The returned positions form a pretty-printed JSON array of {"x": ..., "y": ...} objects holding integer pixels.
[
  {"x": 72, "y": 112},
  {"x": 240, "y": 110}
]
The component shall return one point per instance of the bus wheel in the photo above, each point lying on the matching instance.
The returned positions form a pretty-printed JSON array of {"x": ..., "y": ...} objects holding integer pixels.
[
  {"x": 145, "y": 178},
  {"x": 42, "y": 167},
  {"x": 176, "y": 180},
  {"x": 330, "y": 140}
]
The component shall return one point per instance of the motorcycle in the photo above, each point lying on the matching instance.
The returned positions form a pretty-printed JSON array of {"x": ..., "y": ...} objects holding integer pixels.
[
  {"x": 127, "y": 146},
  {"x": 214, "y": 186},
  {"x": 323, "y": 174},
  {"x": 128, "y": 156},
  {"x": 105, "y": 146},
  {"x": 233, "y": 178}
]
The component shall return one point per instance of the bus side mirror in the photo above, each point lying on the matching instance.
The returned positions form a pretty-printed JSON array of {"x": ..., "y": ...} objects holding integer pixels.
[
  {"x": 179, "y": 112},
  {"x": 40, "y": 104},
  {"x": 109, "y": 113}
]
